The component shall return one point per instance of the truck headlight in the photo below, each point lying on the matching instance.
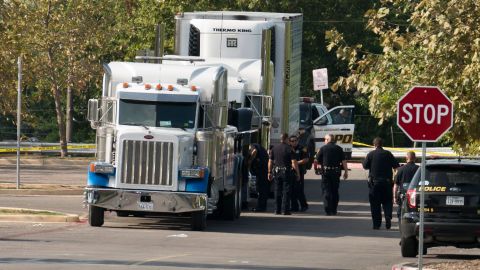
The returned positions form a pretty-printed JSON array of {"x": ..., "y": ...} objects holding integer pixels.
[
  {"x": 192, "y": 173},
  {"x": 101, "y": 167}
]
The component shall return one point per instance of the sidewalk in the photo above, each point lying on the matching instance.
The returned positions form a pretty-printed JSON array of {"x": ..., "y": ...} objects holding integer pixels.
[
  {"x": 43, "y": 176},
  {"x": 40, "y": 189},
  {"x": 43, "y": 161}
]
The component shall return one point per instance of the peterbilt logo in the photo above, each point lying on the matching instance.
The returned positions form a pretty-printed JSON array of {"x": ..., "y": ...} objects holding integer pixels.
[{"x": 148, "y": 137}]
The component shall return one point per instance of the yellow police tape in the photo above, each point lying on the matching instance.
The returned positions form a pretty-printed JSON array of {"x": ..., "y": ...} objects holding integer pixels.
[
  {"x": 431, "y": 153},
  {"x": 47, "y": 148},
  {"x": 93, "y": 146}
]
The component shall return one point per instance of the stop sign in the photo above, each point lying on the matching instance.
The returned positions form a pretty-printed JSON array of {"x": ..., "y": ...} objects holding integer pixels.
[{"x": 424, "y": 113}]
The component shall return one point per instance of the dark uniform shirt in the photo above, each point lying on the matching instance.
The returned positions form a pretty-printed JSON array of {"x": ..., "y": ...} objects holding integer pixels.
[
  {"x": 330, "y": 155},
  {"x": 300, "y": 153},
  {"x": 307, "y": 140},
  {"x": 282, "y": 155},
  {"x": 405, "y": 173},
  {"x": 260, "y": 162},
  {"x": 380, "y": 163}
]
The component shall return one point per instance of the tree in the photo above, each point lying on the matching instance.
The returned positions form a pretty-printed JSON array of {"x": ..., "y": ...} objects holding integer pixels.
[
  {"x": 8, "y": 66},
  {"x": 60, "y": 42},
  {"x": 64, "y": 43},
  {"x": 423, "y": 43}
]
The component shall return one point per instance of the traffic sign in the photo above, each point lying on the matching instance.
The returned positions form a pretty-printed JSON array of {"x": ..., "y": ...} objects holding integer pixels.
[
  {"x": 425, "y": 113},
  {"x": 320, "y": 79}
]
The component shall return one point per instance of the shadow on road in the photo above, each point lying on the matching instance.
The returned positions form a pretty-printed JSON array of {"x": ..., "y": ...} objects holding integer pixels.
[
  {"x": 353, "y": 218},
  {"x": 305, "y": 225}
]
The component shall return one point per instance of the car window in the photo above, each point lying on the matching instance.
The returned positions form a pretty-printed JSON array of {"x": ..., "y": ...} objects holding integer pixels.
[
  {"x": 451, "y": 176},
  {"x": 306, "y": 117},
  {"x": 315, "y": 113},
  {"x": 342, "y": 116}
]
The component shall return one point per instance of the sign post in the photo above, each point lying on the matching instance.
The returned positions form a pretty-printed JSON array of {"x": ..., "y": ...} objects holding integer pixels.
[
  {"x": 425, "y": 114},
  {"x": 320, "y": 81},
  {"x": 19, "y": 117}
]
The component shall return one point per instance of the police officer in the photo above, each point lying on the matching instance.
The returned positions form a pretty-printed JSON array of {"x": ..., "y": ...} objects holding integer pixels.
[
  {"x": 332, "y": 160},
  {"x": 404, "y": 175},
  {"x": 283, "y": 168},
  {"x": 307, "y": 140},
  {"x": 298, "y": 194},
  {"x": 258, "y": 163},
  {"x": 380, "y": 164}
]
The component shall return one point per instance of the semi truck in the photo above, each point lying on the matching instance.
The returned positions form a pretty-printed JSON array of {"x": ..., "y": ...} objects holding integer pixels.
[{"x": 172, "y": 131}]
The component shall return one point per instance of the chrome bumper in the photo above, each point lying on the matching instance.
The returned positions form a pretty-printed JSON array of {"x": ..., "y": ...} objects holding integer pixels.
[{"x": 146, "y": 200}]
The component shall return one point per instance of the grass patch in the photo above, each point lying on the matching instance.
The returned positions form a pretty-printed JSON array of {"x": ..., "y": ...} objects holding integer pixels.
[{"x": 13, "y": 186}]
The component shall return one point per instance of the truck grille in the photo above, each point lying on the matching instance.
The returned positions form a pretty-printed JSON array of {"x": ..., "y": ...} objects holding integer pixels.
[{"x": 147, "y": 163}]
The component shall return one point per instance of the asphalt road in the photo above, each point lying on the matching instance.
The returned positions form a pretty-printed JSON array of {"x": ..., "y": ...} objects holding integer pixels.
[{"x": 308, "y": 240}]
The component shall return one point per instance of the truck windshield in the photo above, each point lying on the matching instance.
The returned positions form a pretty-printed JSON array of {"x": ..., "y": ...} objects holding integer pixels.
[{"x": 157, "y": 114}]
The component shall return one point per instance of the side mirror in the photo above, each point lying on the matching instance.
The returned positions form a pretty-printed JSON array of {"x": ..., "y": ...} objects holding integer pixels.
[{"x": 92, "y": 114}]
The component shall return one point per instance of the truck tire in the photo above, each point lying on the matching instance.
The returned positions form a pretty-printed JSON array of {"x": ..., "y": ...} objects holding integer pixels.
[
  {"x": 95, "y": 216},
  {"x": 238, "y": 204},
  {"x": 229, "y": 206},
  {"x": 409, "y": 247},
  {"x": 199, "y": 221}
]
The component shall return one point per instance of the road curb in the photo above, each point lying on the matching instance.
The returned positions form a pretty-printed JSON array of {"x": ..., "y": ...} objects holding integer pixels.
[
  {"x": 54, "y": 217},
  {"x": 408, "y": 266}
]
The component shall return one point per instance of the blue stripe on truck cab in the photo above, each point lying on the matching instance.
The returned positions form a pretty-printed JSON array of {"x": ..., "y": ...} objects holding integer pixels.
[
  {"x": 197, "y": 185},
  {"x": 97, "y": 179}
]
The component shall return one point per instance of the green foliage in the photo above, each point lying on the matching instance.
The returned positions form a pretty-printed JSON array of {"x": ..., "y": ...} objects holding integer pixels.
[
  {"x": 64, "y": 44},
  {"x": 423, "y": 43}
]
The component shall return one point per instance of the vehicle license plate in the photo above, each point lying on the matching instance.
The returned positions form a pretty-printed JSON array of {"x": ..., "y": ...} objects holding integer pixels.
[
  {"x": 145, "y": 205},
  {"x": 455, "y": 200}
]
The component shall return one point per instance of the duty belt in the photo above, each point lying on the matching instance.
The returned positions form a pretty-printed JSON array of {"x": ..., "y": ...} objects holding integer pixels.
[
  {"x": 280, "y": 169},
  {"x": 381, "y": 180},
  {"x": 331, "y": 168}
]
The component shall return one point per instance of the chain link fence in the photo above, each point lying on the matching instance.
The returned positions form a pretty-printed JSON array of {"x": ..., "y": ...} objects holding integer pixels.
[{"x": 367, "y": 128}]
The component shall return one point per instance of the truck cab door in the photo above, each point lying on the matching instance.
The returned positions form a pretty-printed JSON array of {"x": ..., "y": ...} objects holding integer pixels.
[{"x": 339, "y": 122}]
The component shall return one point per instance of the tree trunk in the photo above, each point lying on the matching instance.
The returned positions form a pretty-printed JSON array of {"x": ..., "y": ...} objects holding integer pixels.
[
  {"x": 69, "y": 113},
  {"x": 60, "y": 120}
]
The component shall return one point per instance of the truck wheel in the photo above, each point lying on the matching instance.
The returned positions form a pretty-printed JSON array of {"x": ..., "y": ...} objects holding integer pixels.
[
  {"x": 199, "y": 221},
  {"x": 238, "y": 206},
  {"x": 229, "y": 206},
  {"x": 95, "y": 216},
  {"x": 238, "y": 201},
  {"x": 409, "y": 247}
]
